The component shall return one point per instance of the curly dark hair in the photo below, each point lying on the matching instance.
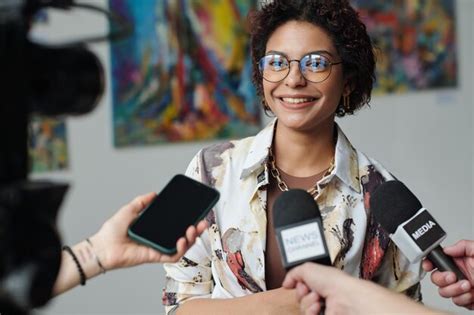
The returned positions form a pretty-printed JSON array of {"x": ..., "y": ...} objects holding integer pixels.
[{"x": 339, "y": 19}]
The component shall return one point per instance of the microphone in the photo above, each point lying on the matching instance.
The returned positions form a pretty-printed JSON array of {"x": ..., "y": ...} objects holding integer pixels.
[
  {"x": 411, "y": 227},
  {"x": 299, "y": 229}
]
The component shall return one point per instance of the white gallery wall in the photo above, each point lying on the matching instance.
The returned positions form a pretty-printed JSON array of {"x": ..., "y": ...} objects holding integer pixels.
[{"x": 424, "y": 138}]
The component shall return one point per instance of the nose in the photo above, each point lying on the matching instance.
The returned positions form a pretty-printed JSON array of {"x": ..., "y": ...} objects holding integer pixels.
[{"x": 295, "y": 78}]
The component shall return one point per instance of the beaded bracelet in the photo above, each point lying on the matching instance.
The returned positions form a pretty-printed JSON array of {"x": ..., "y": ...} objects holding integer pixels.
[
  {"x": 82, "y": 275},
  {"x": 101, "y": 267}
]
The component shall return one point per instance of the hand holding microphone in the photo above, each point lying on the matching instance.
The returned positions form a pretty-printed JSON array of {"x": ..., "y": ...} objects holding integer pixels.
[
  {"x": 461, "y": 292},
  {"x": 300, "y": 236},
  {"x": 411, "y": 227},
  {"x": 418, "y": 235},
  {"x": 345, "y": 294}
]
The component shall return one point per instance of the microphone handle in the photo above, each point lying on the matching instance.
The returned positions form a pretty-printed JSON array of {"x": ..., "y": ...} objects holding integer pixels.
[{"x": 444, "y": 262}]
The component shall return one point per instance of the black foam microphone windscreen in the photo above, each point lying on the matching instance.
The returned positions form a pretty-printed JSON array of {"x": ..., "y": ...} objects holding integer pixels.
[
  {"x": 411, "y": 227},
  {"x": 293, "y": 206},
  {"x": 299, "y": 229},
  {"x": 393, "y": 203}
]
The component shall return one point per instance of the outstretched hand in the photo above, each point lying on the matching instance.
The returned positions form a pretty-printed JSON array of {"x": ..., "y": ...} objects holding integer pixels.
[
  {"x": 117, "y": 250},
  {"x": 326, "y": 288},
  {"x": 461, "y": 292}
]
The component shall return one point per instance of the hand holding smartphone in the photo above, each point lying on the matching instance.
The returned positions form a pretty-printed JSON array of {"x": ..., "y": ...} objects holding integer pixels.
[{"x": 183, "y": 202}]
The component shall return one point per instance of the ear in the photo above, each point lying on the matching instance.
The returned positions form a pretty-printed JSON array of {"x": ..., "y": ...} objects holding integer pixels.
[{"x": 348, "y": 86}]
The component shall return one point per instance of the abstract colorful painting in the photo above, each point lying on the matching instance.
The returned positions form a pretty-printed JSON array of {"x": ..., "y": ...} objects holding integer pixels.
[
  {"x": 184, "y": 74},
  {"x": 47, "y": 144},
  {"x": 416, "y": 41}
]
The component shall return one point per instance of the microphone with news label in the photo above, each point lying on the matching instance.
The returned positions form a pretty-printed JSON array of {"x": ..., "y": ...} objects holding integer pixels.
[
  {"x": 411, "y": 227},
  {"x": 299, "y": 229}
]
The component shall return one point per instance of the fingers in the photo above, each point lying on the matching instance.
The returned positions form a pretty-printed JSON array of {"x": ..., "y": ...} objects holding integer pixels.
[
  {"x": 443, "y": 279},
  {"x": 298, "y": 278},
  {"x": 427, "y": 265},
  {"x": 314, "y": 309},
  {"x": 289, "y": 282},
  {"x": 461, "y": 292},
  {"x": 181, "y": 248},
  {"x": 463, "y": 248},
  {"x": 309, "y": 299},
  {"x": 470, "y": 306},
  {"x": 301, "y": 290},
  {"x": 316, "y": 277},
  {"x": 201, "y": 227},
  {"x": 184, "y": 243},
  {"x": 465, "y": 299},
  {"x": 191, "y": 235},
  {"x": 309, "y": 304},
  {"x": 294, "y": 276},
  {"x": 456, "y": 290},
  {"x": 194, "y": 231}
]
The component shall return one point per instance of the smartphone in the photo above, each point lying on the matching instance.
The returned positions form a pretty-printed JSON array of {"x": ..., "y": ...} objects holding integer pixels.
[{"x": 183, "y": 202}]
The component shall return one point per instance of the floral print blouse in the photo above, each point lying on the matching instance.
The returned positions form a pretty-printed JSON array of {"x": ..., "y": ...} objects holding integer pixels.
[{"x": 228, "y": 260}]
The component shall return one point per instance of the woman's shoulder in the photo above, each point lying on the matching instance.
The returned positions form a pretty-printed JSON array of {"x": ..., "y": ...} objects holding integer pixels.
[
  {"x": 354, "y": 159},
  {"x": 241, "y": 148},
  {"x": 357, "y": 165},
  {"x": 230, "y": 153},
  {"x": 371, "y": 167},
  {"x": 365, "y": 159},
  {"x": 230, "y": 147}
]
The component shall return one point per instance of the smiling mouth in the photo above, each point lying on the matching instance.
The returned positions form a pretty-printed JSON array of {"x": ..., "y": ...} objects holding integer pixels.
[{"x": 298, "y": 100}]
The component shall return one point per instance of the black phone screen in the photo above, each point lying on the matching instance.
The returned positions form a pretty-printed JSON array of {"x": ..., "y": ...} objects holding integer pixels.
[{"x": 183, "y": 202}]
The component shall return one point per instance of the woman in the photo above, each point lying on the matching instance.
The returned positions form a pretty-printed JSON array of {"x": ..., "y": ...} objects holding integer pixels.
[{"x": 313, "y": 60}]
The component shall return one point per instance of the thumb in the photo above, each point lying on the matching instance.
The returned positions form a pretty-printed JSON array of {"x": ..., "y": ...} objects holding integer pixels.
[{"x": 140, "y": 202}]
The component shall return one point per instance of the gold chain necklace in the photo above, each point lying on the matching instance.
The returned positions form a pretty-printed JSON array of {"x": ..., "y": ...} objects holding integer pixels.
[{"x": 313, "y": 191}]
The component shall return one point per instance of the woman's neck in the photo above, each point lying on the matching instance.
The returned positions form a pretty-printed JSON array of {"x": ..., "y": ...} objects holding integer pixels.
[{"x": 302, "y": 154}]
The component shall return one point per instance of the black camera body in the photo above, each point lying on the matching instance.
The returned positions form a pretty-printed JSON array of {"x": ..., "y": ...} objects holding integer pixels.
[{"x": 51, "y": 81}]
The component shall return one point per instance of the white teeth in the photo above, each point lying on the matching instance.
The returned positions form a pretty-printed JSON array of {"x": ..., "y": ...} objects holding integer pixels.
[{"x": 296, "y": 100}]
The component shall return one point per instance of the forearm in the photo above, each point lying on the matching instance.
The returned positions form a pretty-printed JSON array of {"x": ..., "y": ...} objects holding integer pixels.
[
  {"x": 385, "y": 301},
  {"x": 259, "y": 303},
  {"x": 69, "y": 276},
  {"x": 236, "y": 306}
]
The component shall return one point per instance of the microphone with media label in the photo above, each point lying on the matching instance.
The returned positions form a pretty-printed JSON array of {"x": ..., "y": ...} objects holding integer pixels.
[
  {"x": 411, "y": 227},
  {"x": 299, "y": 229}
]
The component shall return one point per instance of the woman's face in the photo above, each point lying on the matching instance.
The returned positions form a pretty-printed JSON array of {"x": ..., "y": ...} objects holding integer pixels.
[{"x": 298, "y": 103}]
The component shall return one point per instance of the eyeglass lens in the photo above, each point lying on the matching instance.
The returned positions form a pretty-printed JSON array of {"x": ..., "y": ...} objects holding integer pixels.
[{"x": 314, "y": 67}]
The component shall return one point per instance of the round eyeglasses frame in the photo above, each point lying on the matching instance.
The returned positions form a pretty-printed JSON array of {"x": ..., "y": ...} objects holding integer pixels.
[{"x": 300, "y": 66}]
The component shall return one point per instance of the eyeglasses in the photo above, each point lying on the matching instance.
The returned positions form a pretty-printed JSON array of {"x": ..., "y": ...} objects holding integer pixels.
[{"x": 314, "y": 67}]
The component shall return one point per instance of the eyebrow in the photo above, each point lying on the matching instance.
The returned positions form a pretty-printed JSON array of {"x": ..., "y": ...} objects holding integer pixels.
[{"x": 319, "y": 52}]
